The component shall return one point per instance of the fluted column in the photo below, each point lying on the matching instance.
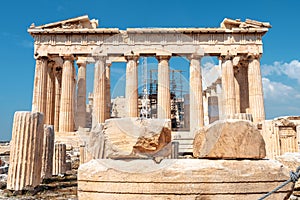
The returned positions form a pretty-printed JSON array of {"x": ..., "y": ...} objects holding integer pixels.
[
  {"x": 196, "y": 96},
  {"x": 242, "y": 79},
  {"x": 40, "y": 85},
  {"x": 205, "y": 107},
  {"x": 66, "y": 114},
  {"x": 59, "y": 159},
  {"x": 26, "y": 151},
  {"x": 108, "y": 98},
  {"x": 48, "y": 149},
  {"x": 49, "y": 115},
  {"x": 58, "y": 77},
  {"x": 81, "y": 95},
  {"x": 163, "y": 93},
  {"x": 256, "y": 99},
  {"x": 228, "y": 86},
  {"x": 219, "y": 95},
  {"x": 82, "y": 154},
  {"x": 132, "y": 86},
  {"x": 99, "y": 91},
  {"x": 237, "y": 92}
]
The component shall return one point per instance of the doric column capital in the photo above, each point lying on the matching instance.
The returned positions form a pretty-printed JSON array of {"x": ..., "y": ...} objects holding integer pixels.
[
  {"x": 100, "y": 58},
  {"x": 42, "y": 58},
  {"x": 163, "y": 57},
  {"x": 69, "y": 57},
  {"x": 194, "y": 56},
  {"x": 252, "y": 56},
  {"x": 225, "y": 57},
  {"x": 82, "y": 61},
  {"x": 132, "y": 57}
]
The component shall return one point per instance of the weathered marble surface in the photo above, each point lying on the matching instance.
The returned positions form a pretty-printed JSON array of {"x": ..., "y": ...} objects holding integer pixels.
[
  {"x": 26, "y": 151},
  {"x": 182, "y": 179},
  {"x": 48, "y": 150},
  {"x": 133, "y": 136},
  {"x": 229, "y": 139}
]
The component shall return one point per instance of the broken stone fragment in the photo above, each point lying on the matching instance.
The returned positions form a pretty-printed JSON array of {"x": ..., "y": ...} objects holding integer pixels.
[
  {"x": 136, "y": 137},
  {"x": 229, "y": 139},
  {"x": 26, "y": 151}
]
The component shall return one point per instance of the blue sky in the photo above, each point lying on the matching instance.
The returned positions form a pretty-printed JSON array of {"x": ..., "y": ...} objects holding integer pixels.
[{"x": 280, "y": 62}]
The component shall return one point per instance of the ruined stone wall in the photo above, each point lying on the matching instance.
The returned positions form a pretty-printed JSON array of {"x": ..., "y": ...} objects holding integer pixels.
[{"x": 281, "y": 135}]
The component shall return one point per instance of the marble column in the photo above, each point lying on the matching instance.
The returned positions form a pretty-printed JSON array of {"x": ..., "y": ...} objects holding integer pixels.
[
  {"x": 81, "y": 95},
  {"x": 99, "y": 91},
  {"x": 213, "y": 108},
  {"x": 40, "y": 85},
  {"x": 49, "y": 115},
  {"x": 59, "y": 159},
  {"x": 108, "y": 97},
  {"x": 219, "y": 95},
  {"x": 196, "y": 96},
  {"x": 186, "y": 106},
  {"x": 66, "y": 113},
  {"x": 48, "y": 149},
  {"x": 256, "y": 99},
  {"x": 228, "y": 86},
  {"x": 242, "y": 79},
  {"x": 26, "y": 151},
  {"x": 58, "y": 77},
  {"x": 132, "y": 86},
  {"x": 163, "y": 93},
  {"x": 82, "y": 154},
  {"x": 237, "y": 91},
  {"x": 206, "y": 95}
]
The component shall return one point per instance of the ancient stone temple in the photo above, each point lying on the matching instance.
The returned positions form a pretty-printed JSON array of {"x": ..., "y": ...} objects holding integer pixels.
[
  {"x": 62, "y": 98},
  {"x": 129, "y": 157}
]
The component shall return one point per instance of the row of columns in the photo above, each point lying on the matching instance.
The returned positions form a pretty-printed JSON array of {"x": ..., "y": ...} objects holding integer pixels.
[
  {"x": 54, "y": 90},
  {"x": 163, "y": 94},
  {"x": 237, "y": 88}
]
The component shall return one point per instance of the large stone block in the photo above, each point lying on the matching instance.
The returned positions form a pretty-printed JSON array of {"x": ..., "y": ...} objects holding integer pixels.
[
  {"x": 135, "y": 137},
  {"x": 229, "y": 139},
  {"x": 181, "y": 179},
  {"x": 291, "y": 161}
]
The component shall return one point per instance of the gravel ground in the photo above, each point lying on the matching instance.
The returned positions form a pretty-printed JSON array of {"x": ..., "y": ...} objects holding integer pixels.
[{"x": 54, "y": 188}]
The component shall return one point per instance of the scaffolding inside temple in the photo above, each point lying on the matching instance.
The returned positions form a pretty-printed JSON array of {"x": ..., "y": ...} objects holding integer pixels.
[{"x": 176, "y": 96}]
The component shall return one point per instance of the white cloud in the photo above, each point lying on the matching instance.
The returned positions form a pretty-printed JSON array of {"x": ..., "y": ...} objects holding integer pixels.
[
  {"x": 278, "y": 92},
  {"x": 292, "y": 69},
  {"x": 210, "y": 73},
  {"x": 280, "y": 99}
]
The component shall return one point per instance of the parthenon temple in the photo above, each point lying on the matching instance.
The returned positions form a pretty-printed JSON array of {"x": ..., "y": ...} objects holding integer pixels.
[
  {"x": 132, "y": 147},
  {"x": 62, "y": 97}
]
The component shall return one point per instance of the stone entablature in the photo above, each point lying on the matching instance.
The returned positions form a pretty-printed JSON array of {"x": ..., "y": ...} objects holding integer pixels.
[{"x": 114, "y": 42}]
